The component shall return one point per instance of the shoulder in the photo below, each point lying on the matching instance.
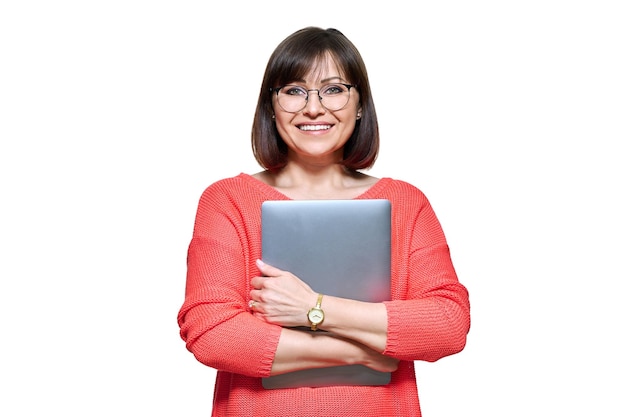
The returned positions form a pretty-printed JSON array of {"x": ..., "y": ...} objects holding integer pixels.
[
  {"x": 408, "y": 201},
  {"x": 238, "y": 184},
  {"x": 241, "y": 193},
  {"x": 401, "y": 190},
  {"x": 225, "y": 191},
  {"x": 228, "y": 202}
]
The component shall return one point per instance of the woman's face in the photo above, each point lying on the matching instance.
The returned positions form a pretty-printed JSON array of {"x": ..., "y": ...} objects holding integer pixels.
[{"x": 316, "y": 134}]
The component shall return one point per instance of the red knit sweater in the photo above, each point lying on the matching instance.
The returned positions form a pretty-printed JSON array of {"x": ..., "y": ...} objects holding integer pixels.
[{"x": 428, "y": 317}]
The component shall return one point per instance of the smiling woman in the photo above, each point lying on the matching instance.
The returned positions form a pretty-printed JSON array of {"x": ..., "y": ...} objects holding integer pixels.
[
  {"x": 330, "y": 118},
  {"x": 315, "y": 129}
]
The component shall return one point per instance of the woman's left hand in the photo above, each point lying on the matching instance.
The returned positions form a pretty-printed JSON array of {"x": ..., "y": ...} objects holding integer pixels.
[{"x": 280, "y": 297}]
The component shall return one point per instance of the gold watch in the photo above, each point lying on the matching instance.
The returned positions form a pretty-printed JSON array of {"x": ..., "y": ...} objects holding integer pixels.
[{"x": 316, "y": 314}]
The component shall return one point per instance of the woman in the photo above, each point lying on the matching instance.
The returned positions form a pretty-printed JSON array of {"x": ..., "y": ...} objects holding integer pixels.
[{"x": 314, "y": 129}]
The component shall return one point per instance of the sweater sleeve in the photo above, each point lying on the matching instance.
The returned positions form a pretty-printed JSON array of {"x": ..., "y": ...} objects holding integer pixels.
[
  {"x": 429, "y": 316},
  {"x": 214, "y": 320}
]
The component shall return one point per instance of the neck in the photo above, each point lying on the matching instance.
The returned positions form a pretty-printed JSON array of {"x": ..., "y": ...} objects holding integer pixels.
[{"x": 328, "y": 182}]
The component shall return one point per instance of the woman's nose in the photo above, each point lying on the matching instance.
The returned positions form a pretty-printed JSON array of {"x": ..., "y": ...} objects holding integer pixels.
[{"x": 314, "y": 105}]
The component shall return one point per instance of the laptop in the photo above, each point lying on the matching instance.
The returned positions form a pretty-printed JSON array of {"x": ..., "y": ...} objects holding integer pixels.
[{"x": 340, "y": 248}]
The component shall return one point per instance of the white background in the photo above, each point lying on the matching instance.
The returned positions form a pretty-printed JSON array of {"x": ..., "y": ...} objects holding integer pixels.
[{"x": 114, "y": 117}]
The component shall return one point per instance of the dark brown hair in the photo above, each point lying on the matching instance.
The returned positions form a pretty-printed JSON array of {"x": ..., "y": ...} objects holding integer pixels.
[{"x": 292, "y": 59}]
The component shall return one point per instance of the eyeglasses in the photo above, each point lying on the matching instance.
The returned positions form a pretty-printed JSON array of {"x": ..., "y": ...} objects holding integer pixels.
[{"x": 293, "y": 98}]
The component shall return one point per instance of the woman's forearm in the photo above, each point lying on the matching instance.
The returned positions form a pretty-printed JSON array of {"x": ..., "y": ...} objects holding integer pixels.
[
  {"x": 299, "y": 350},
  {"x": 365, "y": 323}
]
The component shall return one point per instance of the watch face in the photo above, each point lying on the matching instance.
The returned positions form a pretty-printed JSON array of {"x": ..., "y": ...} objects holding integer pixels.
[{"x": 316, "y": 315}]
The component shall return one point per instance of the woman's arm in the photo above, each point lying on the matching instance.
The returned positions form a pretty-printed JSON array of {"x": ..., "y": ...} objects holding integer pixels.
[
  {"x": 298, "y": 350},
  {"x": 283, "y": 299}
]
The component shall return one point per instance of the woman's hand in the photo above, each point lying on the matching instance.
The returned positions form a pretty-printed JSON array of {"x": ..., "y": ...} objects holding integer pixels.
[{"x": 279, "y": 297}]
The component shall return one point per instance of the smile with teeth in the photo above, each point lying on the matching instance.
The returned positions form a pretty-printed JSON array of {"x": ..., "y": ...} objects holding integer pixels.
[{"x": 314, "y": 127}]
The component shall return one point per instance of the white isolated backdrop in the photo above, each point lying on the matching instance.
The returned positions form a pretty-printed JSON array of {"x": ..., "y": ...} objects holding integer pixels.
[{"x": 114, "y": 117}]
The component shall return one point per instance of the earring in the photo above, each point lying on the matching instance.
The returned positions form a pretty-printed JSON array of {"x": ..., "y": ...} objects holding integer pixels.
[{"x": 273, "y": 116}]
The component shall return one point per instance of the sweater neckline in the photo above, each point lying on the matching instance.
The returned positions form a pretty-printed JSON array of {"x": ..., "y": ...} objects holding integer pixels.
[{"x": 274, "y": 194}]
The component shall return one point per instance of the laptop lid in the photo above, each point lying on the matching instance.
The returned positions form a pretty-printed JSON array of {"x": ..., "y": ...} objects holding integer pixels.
[{"x": 340, "y": 248}]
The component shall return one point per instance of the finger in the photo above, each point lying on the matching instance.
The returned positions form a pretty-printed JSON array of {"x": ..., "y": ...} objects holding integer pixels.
[
  {"x": 257, "y": 282},
  {"x": 254, "y": 305},
  {"x": 255, "y": 294},
  {"x": 267, "y": 269}
]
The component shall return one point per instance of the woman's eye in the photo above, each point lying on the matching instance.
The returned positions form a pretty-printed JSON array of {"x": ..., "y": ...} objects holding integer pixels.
[
  {"x": 333, "y": 89},
  {"x": 294, "y": 91}
]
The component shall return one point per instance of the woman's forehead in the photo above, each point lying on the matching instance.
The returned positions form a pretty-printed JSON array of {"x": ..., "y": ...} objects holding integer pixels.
[{"x": 323, "y": 69}]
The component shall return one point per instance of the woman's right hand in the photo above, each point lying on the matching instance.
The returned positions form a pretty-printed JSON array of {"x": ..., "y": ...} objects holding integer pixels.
[{"x": 279, "y": 297}]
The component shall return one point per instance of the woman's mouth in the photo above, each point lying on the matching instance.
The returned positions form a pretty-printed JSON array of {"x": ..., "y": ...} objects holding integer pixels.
[{"x": 314, "y": 127}]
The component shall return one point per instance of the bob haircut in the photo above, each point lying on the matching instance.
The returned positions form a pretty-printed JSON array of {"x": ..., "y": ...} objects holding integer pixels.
[{"x": 292, "y": 59}]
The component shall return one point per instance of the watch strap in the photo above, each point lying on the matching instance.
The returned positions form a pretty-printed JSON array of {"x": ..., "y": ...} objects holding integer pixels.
[
  {"x": 318, "y": 305},
  {"x": 319, "y": 301}
]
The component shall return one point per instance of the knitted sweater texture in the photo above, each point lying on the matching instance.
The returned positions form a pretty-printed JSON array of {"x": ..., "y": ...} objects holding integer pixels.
[{"x": 428, "y": 316}]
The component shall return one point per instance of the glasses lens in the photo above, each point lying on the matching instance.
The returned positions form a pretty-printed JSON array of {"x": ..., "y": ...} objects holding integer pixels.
[
  {"x": 293, "y": 98},
  {"x": 334, "y": 96}
]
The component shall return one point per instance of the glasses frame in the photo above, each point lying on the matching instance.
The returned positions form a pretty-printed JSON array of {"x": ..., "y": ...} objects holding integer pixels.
[{"x": 306, "y": 100}]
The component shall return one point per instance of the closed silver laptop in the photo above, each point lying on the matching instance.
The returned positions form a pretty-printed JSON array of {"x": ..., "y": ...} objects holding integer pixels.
[{"x": 340, "y": 248}]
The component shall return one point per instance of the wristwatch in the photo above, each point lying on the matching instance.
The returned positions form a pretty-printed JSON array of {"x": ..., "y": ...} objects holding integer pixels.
[{"x": 316, "y": 314}]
